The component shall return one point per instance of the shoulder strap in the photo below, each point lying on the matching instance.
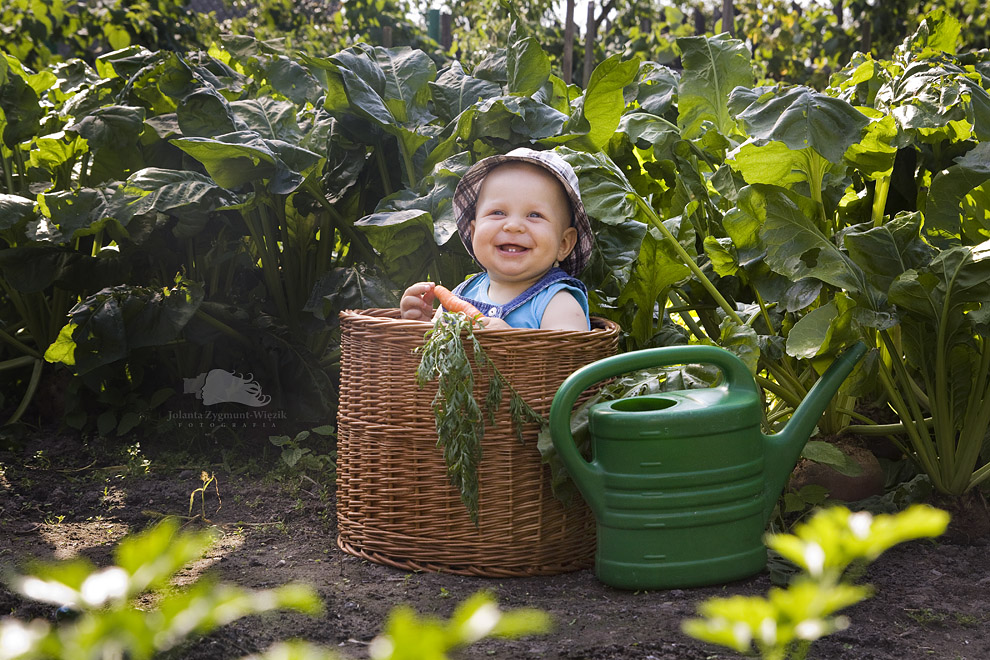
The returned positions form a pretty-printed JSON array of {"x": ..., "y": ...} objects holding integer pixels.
[{"x": 552, "y": 276}]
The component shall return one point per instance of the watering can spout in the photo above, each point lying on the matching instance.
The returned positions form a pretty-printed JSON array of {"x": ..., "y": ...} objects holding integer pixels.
[{"x": 783, "y": 449}]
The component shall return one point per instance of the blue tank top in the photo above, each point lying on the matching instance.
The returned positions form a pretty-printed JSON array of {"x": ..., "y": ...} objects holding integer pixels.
[{"x": 525, "y": 310}]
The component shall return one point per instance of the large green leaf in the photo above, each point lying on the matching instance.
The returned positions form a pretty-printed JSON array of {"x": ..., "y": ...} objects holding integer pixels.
[
  {"x": 110, "y": 324},
  {"x": 528, "y": 67},
  {"x": 20, "y": 107},
  {"x": 802, "y": 118},
  {"x": 236, "y": 159},
  {"x": 34, "y": 268},
  {"x": 169, "y": 192},
  {"x": 657, "y": 92},
  {"x": 603, "y": 102},
  {"x": 713, "y": 67},
  {"x": 293, "y": 81},
  {"x": 403, "y": 240},
  {"x": 356, "y": 287},
  {"x": 887, "y": 251},
  {"x": 938, "y": 99},
  {"x": 797, "y": 249},
  {"x": 824, "y": 329},
  {"x": 67, "y": 215},
  {"x": 873, "y": 156},
  {"x": 111, "y": 127},
  {"x": 657, "y": 268},
  {"x": 14, "y": 210},
  {"x": 947, "y": 215},
  {"x": 268, "y": 117},
  {"x": 390, "y": 88},
  {"x": 620, "y": 225},
  {"x": 455, "y": 91}
]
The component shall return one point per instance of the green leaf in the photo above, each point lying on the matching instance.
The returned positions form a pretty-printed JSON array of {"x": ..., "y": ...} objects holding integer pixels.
[
  {"x": 14, "y": 210},
  {"x": 110, "y": 324},
  {"x": 947, "y": 214},
  {"x": 20, "y": 107},
  {"x": 887, "y": 251},
  {"x": 603, "y": 100},
  {"x": 802, "y": 118},
  {"x": 713, "y": 67},
  {"x": 356, "y": 287},
  {"x": 828, "y": 454},
  {"x": 741, "y": 340},
  {"x": 620, "y": 225},
  {"x": 454, "y": 91},
  {"x": 188, "y": 196},
  {"x": 293, "y": 81},
  {"x": 873, "y": 156},
  {"x": 797, "y": 249},
  {"x": 270, "y": 118},
  {"x": 111, "y": 127},
  {"x": 106, "y": 422},
  {"x": 399, "y": 237},
  {"x": 823, "y": 329},
  {"x": 657, "y": 268},
  {"x": 245, "y": 157},
  {"x": 528, "y": 67}
]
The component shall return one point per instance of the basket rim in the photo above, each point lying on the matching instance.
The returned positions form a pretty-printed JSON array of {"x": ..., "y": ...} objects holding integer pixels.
[{"x": 600, "y": 327}]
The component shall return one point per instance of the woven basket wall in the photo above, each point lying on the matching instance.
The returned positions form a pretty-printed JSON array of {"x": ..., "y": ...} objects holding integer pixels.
[{"x": 395, "y": 505}]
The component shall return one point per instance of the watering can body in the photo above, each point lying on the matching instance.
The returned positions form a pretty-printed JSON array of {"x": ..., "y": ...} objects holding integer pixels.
[{"x": 682, "y": 483}]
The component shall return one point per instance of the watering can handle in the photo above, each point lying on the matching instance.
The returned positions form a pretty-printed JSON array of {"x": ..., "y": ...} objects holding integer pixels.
[{"x": 737, "y": 376}]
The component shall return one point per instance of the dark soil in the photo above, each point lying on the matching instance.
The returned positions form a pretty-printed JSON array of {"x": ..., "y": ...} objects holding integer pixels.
[{"x": 60, "y": 498}]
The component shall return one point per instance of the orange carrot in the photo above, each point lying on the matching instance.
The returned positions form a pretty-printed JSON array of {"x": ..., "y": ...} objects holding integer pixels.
[{"x": 452, "y": 303}]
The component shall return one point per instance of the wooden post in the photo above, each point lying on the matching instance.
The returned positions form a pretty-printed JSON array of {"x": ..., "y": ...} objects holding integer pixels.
[
  {"x": 446, "y": 30},
  {"x": 567, "y": 62},
  {"x": 590, "y": 30},
  {"x": 699, "y": 21},
  {"x": 728, "y": 18},
  {"x": 387, "y": 36}
]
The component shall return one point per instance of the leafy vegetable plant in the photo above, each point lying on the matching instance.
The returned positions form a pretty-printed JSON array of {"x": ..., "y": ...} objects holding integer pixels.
[
  {"x": 826, "y": 548},
  {"x": 460, "y": 419},
  {"x": 108, "y": 622}
]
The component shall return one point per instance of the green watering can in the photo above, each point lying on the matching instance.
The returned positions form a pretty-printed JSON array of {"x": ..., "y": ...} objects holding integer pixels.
[{"x": 682, "y": 484}]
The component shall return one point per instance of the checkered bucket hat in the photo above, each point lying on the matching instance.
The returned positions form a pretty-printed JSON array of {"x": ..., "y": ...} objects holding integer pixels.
[{"x": 466, "y": 197}]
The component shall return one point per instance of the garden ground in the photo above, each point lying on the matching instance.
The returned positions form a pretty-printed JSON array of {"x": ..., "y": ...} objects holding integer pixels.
[{"x": 60, "y": 497}]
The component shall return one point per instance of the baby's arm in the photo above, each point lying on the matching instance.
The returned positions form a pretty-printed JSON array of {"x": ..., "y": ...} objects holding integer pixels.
[
  {"x": 564, "y": 312},
  {"x": 416, "y": 303}
]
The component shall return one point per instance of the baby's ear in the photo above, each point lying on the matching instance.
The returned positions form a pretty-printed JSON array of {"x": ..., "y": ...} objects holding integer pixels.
[{"x": 567, "y": 242}]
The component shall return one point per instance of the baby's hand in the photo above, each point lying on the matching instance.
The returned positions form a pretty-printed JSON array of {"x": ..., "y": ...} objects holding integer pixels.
[
  {"x": 416, "y": 303},
  {"x": 490, "y": 323}
]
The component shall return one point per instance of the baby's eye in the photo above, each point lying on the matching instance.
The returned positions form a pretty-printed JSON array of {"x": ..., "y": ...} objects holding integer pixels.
[{"x": 535, "y": 214}]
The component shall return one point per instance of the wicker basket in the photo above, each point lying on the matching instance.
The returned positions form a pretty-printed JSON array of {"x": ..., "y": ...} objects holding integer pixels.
[{"x": 395, "y": 505}]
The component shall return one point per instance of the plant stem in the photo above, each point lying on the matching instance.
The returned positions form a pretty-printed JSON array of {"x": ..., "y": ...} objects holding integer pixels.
[
  {"x": 354, "y": 239},
  {"x": 880, "y": 192},
  {"x": 8, "y": 177},
  {"x": 383, "y": 170},
  {"x": 32, "y": 387},
  {"x": 225, "y": 329},
  {"x": 19, "y": 345},
  {"x": 688, "y": 261}
]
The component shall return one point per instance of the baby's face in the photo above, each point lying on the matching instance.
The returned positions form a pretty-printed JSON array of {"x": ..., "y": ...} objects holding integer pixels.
[{"x": 522, "y": 223}]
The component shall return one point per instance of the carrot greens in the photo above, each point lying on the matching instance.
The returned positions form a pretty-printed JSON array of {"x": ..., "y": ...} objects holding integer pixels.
[{"x": 461, "y": 421}]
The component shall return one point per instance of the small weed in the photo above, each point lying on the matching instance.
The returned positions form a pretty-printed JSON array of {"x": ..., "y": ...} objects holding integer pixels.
[
  {"x": 967, "y": 620},
  {"x": 207, "y": 479},
  {"x": 926, "y": 616},
  {"x": 54, "y": 520},
  {"x": 444, "y": 593}
]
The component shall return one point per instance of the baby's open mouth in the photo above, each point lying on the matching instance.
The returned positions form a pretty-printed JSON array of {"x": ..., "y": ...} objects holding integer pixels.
[{"x": 511, "y": 247}]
